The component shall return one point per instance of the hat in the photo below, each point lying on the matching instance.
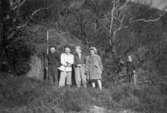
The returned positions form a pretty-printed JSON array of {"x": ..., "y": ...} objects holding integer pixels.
[{"x": 93, "y": 48}]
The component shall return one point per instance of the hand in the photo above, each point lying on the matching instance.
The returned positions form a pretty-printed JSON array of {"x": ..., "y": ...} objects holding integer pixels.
[
  {"x": 79, "y": 65},
  {"x": 46, "y": 68},
  {"x": 134, "y": 71},
  {"x": 68, "y": 64}
]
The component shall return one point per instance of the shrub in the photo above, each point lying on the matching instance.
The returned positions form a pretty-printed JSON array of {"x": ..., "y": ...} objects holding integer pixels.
[
  {"x": 19, "y": 52},
  {"x": 75, "y": 100}
]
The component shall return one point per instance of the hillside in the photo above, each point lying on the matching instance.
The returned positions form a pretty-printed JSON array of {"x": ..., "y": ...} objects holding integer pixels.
[
  {"x": 160, "y": 4},
  {"x": 22, "y": 95},
  {"x": 137, "y": 30}
]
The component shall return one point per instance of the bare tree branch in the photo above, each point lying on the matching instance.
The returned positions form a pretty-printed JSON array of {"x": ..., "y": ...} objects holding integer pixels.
[
  {"x": 146, "y": 20},
  {"x": 11, "y": 35},
  {"x": 120, "y": 19},
  {"x": 16, "y": 4},
  {"x": 119, "y": 29},
  {"x": 112, "y": 17},
  {"x": 31, "y": 16},
  {"x": 134, "y": 21}
]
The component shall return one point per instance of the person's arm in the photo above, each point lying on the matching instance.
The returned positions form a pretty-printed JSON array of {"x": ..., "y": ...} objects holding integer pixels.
[
  {"x": 86, "y": 63},
  {"x": 62, "y": 60},
  {"x": 85, "y": 59},
  {"x": 75, "y": 64},
  {"x": 100, "y": 63},
  {"x": 87, "y": 67},
  {"x": 70, "y": 60}
]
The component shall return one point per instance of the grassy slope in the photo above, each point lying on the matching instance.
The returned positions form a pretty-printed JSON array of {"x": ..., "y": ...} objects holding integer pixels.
[{"x": 22, "y": 95}]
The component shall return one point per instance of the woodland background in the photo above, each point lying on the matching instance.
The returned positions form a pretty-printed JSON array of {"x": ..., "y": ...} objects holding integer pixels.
[{"x": 116, "y": 27}]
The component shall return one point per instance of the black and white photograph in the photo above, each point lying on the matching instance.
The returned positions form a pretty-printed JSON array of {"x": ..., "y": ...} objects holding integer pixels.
[{"x": 83, "y": 56}]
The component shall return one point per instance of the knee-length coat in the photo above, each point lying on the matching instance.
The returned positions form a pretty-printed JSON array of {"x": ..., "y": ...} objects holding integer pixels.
[{"x": 94, "y": 67}]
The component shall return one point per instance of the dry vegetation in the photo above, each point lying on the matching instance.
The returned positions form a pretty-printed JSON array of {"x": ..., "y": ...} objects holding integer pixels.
[
  {"x": 30, "y": 96},
  {"x": 141, "y": 32}
]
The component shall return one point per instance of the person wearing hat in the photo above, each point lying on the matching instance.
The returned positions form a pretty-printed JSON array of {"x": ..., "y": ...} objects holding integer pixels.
[
  {"x": 79, "y": 67},
  {"x": 66, "y": 60},
  {"x": 94, "y": 68},
  {"x": 52, "y": 65},
  {"x": 130, "y": 69}
]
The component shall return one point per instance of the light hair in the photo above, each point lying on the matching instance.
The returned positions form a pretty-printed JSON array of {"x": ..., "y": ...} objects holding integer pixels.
[{"x": 77, "y": 47}]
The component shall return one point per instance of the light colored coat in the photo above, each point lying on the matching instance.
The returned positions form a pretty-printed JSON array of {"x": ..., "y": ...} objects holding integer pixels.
[
  {"x": 94, "y": 67},
  {"x": 65, "y": 60}
]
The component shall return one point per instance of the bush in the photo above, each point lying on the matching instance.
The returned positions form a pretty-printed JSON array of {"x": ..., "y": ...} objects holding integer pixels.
[
  {"x": 19, "y": 53},
  {"x": 22, "y": 95},
  {"x": 75, "y": 100}
]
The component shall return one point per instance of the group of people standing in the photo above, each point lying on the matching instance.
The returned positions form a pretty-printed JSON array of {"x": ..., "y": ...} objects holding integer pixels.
[{"x": 87, "y": 69}]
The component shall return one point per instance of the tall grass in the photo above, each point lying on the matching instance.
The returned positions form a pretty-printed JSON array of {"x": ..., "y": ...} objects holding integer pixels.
[{"x": 24, "y": 95}]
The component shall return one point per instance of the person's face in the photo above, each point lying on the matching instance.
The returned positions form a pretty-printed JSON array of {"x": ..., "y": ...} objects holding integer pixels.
[
  {"x": 52, "y": 50},
  {"x": 78, "y": 50},
  {"x": 92, "y": 52},
  {"x": 67, "y": 50}
]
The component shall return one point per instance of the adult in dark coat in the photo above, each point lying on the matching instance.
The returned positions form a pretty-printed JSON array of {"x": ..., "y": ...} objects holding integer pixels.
[{"x": 52, "y": 66}]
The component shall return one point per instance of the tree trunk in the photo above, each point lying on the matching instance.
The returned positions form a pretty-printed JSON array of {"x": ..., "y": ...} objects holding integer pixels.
[
  {"x": 5, "y": 21},
  {"x": 4, "y": 16},
  {"x": 1, "y": 22}
]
